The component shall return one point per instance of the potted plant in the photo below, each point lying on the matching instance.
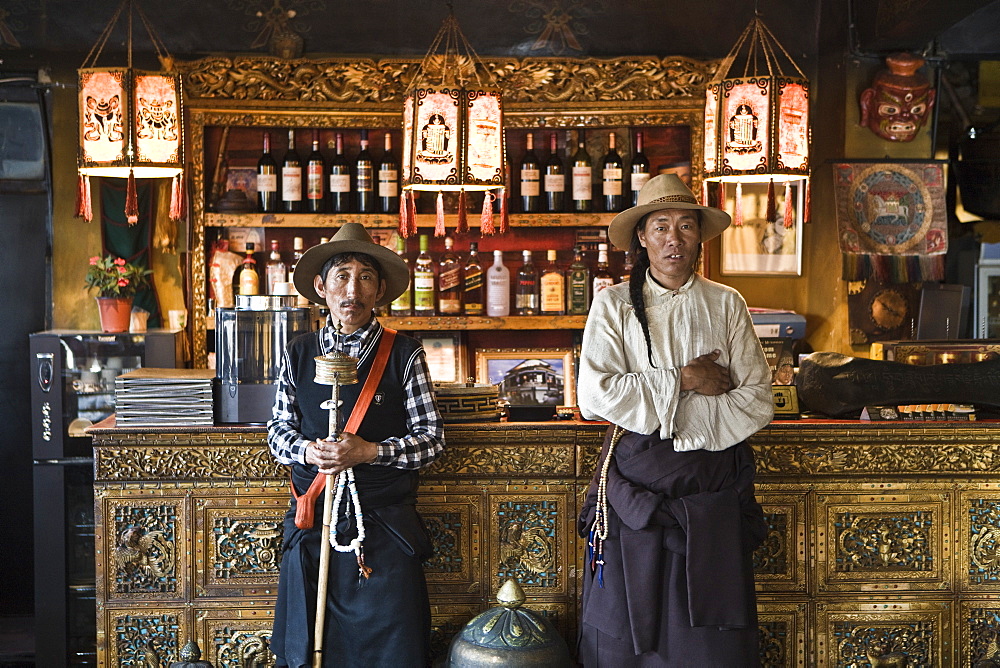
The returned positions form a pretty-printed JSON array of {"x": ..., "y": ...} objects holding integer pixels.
[{"x": 116, "y": 282}]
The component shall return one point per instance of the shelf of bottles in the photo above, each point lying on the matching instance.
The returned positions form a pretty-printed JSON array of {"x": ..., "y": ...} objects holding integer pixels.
[{"x": 296, "y": 186}]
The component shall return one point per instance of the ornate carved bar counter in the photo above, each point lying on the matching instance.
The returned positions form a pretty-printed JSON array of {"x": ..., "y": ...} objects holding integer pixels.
[{"x": 884, "y": 537}]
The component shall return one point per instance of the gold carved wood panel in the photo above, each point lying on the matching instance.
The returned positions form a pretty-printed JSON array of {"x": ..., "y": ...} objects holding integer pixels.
[
  {"x": 896, "y": 542},
  {"x": 140, "y": 635},
  {"x": 779, "y": 564},
  {"x": 454, "y": 522},
  {"x": 238, "y": 541},
  {"x": 979, "y": 631},
  {"x": 978, "y": 519},
  {"x": 782, "y": 632},
  {"x": 236, "y": 636},
  {"x": 146, "y": 553},
  {"x": 875, "y": 632}
]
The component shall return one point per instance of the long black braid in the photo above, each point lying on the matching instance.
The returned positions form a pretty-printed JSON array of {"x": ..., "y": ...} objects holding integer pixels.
[{"x": 637, "y": 279}]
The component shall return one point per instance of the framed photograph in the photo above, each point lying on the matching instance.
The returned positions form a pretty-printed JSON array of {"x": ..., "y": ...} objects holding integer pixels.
[
  {"x": 987, "y": 325},
  {"x": 529, "y": 376},
  {"x": 445, "y": 356},
  {"x": 242, "y": 178},
  {"x": 758, "y": 246}
]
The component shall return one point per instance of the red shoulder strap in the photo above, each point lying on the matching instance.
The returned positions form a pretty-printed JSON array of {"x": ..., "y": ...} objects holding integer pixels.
[{"x": 306, "y": 502}]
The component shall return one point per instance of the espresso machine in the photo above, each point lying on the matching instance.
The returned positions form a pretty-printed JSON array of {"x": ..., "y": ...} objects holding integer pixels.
[{"x": 250, "y": 339}]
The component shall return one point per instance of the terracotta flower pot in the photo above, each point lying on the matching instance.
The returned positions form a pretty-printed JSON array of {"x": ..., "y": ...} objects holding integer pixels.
[{"x": 115, "y": 313}]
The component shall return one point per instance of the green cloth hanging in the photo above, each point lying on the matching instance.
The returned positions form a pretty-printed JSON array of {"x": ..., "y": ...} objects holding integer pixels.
[{"x": 131, "y": 242}]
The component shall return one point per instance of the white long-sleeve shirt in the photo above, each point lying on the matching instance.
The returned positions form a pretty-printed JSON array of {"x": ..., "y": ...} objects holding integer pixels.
[{"x": 617, "y": 383}]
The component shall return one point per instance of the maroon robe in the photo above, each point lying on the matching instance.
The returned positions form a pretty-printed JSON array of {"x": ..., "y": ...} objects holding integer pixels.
[{"x": 678, "y": 574}]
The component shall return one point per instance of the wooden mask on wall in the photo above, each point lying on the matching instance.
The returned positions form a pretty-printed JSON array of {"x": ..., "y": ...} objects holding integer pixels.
[{"x": 899, "y": 100}]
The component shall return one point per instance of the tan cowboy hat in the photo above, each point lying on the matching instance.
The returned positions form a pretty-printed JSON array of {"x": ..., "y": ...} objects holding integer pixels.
[
  {"x": 351, "y": 238},
  {"x": 665, "y": 191}
]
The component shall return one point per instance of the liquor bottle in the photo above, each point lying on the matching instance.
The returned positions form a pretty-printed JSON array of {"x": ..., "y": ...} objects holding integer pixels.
[
  {"x": 640, "y": 170},
  {"x": 423, "y": 280},
  {"x": 555, "y": 178},
  {"x": 291, "y": 178},
  {"x": 582, "y": 177},
  {"x": 403, "y": 304},
  {"x": 297, "y": 249},
  {"x": 473, "y": 292},
  {"x": 315, "y": 175},
  {"x": 626, "y": 274},
  {"x": 267, "y": 179},
  {"x": 530, "y": 198},
  {"x": 552, "y": 287},
  {"x": 526, "y": 289},
  {"x": 388, "y": 179},
  {"x": 602, "y": 275},
  {"x": 611, "y": 177},
  {"x": 497, "y": 287},
  {"x": 364, "y": 186},
  {"x": 246, "y": 281},
  {"x": 449, "y": 280},
  {"x": 578, "y": 285},
  {"x": 275, "y": 270},
  {"x": 340, "y": 178}
]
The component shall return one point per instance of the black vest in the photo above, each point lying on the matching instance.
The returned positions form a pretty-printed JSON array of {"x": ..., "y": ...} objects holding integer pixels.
[{"x": 386, "y": 416}]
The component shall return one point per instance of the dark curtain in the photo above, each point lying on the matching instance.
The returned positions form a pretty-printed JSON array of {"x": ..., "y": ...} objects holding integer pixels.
[{"x": 131, "y": 242}]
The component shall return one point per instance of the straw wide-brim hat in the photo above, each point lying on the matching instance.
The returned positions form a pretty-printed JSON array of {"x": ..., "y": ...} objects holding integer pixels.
[
  {"x": 665, "y": 191},
  {"x": 351, "y": 238}
]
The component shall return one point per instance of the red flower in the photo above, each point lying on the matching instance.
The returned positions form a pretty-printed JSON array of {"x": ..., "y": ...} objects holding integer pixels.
[
  {"x": 94, "y": 260},
  {"x": 120, "y": 262},
  {"x": 122, "y": 270},
  {"x": 122, "y": 282}
]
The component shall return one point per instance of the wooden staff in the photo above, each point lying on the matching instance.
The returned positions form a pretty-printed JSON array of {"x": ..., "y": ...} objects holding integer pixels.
[{"x": 324, "y": 549}]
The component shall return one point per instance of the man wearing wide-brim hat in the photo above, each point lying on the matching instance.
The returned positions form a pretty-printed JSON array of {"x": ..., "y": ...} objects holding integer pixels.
[
  {"x": 671, "y": 359},
  {"x": 377, "y": 611}
]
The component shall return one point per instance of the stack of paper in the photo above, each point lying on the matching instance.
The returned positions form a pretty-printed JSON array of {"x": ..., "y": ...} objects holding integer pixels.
[{"x": 164, "y": 398}]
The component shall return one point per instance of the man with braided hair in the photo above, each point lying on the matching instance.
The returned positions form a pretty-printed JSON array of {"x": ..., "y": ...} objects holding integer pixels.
[{"x": 671, "y": 360}]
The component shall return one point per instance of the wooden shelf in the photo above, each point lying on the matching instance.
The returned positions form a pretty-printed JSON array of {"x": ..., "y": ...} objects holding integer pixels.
[
  {"x": 382, "y": 220},
  {"x": 521, "y": 322}
]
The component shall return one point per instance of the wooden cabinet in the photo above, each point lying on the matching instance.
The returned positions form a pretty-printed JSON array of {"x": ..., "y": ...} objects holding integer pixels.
[
  {"x": 882, "y": 538},
  {"x": 230, "y": 101}
]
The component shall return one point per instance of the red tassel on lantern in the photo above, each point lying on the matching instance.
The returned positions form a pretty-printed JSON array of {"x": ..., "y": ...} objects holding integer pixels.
[
  {"x": 403, "y": 226},
  {"x": 177, "y": 198},
  {"x": 721, "y": 204},
  {"x": 805, "y": 209},
  {"x": 738, "y": 211},
  {"x": 772, "y": 208},
  {"x": 463, "y": 217},
  {"x": 439, "y": 218},
  {"x": 486, "y": 218},
  {"x": 789, "y": 222},
  {"x": 504, "y": 214},
  {"x": 704, "y": 192},
  {"x": 131, "y": 200},
  {"x": 84, "y": 206}
]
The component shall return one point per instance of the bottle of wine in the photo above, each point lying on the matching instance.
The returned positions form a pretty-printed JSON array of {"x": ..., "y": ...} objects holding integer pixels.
[
  {"x": 582, "y": 177},
  {"x": 498, "y": 287},
  {"x": 291, "y": 178},
  {"x": 267, "y": 179},
  {"x": 553, "y": 287},
  {"x": 526, "y": 290},
  {"x": 247, "y": 280},
  {"x": 611, "y": 177},
  {"x": 364, "y": 186},
  {"x": 403, "y": 304},
  {"x": 424, "y": 297},
  {"x": 473, "y": 291},
  {"x": 340, "y": 178},
  {"x": 275, "y": 270},
  {"x": 578, "y": 285},
  {"x": 530, "y": 197},
  {"x": 388, "y": 179},
  {"x": 640, "y": 170},
  {"x": 602, "y": 275},
  {"x": 449, "y": 280},
  {"x": 315, "y": 175},
  {"x": 555, "y": 178},
  {"x": 297, "y": 249}
]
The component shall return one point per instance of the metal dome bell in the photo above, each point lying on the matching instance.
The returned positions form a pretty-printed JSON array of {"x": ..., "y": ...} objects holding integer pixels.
[{"x": 508, "y": 635}]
